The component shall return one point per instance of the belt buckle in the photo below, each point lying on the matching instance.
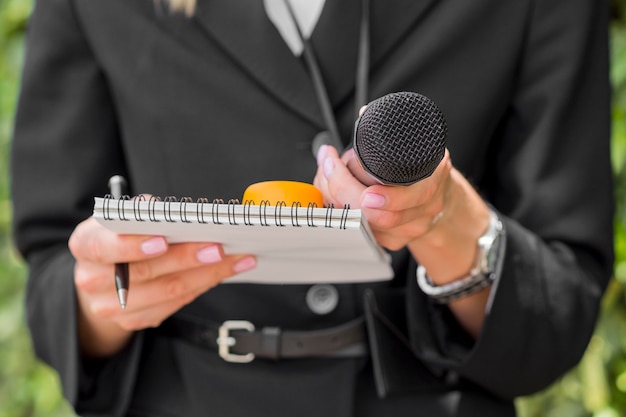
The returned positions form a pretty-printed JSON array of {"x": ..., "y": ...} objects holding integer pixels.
[{"x": 225, "y": 341}]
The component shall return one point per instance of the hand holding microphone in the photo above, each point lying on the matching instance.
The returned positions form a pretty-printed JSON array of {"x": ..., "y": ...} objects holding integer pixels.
[
  {"x": 400, "y": 174},
  {"x": 397, "y": 170}
]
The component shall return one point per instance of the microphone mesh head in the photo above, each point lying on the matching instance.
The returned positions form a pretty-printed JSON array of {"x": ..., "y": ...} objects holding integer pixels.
[{"x": 400, "y": 138}]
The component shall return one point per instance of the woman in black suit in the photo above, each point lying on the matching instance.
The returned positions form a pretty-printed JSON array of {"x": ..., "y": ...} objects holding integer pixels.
[{"x": 206, "y": 102}]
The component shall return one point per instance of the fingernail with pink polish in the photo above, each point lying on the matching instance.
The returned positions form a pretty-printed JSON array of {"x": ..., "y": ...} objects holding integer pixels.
[
  {"x": 321, "y": 154},
  {"x": 371, "y": 200},
  {"x": 209, "y": 255},
  {"x": 245, "y": 264},
  {"x": 154, "y": 246},
  {"x": 329, "y": 166}
]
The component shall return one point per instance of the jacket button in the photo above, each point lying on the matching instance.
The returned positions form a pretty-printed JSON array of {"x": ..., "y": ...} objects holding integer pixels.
[{"x": 322, "y": 298}]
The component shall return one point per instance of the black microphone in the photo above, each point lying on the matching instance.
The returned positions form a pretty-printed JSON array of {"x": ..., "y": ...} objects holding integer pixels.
[{"x": 399, "y": 139}]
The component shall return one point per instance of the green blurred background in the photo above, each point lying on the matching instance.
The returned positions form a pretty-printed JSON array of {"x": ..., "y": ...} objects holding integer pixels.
[{"x": 597, "y": 387}]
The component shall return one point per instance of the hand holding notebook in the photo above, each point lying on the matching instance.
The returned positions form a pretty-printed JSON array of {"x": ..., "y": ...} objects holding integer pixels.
[{"x": 293, "y": 244}]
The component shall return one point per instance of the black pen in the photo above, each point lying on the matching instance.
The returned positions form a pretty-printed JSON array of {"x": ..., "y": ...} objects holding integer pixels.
[{"x": 117, "y": 186}]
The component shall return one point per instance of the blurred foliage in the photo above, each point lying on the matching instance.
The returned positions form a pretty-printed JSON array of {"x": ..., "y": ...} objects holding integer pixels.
[
  {"x": 28, "y": 388},
  {"x": 597, "y": 386}
]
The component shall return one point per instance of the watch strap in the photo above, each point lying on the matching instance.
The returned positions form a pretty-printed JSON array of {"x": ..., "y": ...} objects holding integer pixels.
[
  {"x": 482, "y": 273},
  {"x": 459, "y": 288}
]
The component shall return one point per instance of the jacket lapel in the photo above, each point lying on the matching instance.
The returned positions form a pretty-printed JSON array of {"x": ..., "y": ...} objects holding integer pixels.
[
  {"x": 242, "y": 28},
  {"x": 245, "y": 32},
  {"x": 392, "y": 21}
]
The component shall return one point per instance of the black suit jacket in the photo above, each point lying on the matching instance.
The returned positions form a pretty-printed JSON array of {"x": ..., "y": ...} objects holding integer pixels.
[{"x": 204, "y": 106}]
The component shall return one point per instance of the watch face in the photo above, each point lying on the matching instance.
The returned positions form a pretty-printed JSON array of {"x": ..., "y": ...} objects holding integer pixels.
[
  {"x": 491, "y": 256},
  {"x": 493, "y": 252},
  {"x": 489, "y": 244}
]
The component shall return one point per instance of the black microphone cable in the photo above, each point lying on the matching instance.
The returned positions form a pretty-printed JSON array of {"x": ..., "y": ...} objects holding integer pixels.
[{"x": 332, "y": 136}]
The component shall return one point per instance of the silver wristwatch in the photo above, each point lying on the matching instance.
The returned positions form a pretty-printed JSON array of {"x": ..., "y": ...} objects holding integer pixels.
[{"x": 482, "y": 274}]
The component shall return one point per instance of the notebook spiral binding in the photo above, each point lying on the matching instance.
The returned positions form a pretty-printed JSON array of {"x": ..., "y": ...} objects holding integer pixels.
[{"x": 209, "y": 211}]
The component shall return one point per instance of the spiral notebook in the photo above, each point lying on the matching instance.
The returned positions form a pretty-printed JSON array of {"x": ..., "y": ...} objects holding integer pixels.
[{"x": 293, "y": 244}]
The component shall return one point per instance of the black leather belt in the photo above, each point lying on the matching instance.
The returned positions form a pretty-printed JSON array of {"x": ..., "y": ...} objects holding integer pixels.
[{"x": 239, "y": 341}]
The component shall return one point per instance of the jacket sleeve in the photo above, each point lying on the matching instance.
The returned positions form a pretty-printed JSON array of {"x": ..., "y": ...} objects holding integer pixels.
[
  {"x": 551, "y": 182},
  {"x": 65, "y": 147}
]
